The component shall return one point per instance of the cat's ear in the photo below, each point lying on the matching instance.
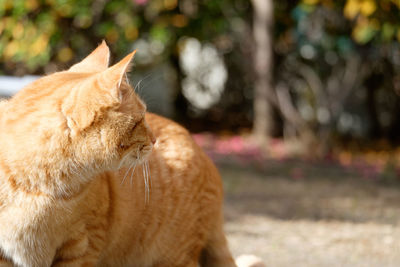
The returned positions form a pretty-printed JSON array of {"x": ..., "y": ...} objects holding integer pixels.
[
  {"x": 97, "y": 61},
  {"x": 98, "y": 94},
  {"x": 112, "y": 77}
]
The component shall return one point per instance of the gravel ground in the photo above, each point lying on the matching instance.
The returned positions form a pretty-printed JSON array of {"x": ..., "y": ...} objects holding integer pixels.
[{"x": 324, "y": 217}]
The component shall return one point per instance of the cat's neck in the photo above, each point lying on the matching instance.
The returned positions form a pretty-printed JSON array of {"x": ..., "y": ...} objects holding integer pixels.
[{"x": 31, "y": 180}]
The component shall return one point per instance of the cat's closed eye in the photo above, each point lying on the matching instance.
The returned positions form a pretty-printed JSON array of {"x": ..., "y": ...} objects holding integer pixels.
[
  {"x": 123, "y": 146},
  {"x": 136, "y": 124}
]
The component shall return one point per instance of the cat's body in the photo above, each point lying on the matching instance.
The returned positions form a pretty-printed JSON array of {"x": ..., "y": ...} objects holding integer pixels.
[{"x": 81, "y": 183}]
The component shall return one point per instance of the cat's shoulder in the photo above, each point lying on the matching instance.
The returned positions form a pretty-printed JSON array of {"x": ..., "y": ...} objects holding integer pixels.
[
  {"x": 174, "y": 142},
  {"x": 163, "y": 126}
]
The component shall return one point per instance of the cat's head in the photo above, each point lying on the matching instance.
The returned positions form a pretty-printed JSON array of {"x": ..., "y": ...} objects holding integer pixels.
[{"x": 87, "y": 117}]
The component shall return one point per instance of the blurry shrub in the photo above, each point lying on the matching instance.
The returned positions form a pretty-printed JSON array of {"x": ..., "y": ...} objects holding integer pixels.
[
  {"x": 336, "y": 68},
  {"x": 42, "y": 36},
  {"x": 35, "y": 33}
]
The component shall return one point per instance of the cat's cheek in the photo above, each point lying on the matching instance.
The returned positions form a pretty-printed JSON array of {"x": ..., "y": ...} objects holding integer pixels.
[
  {"x": 123, "y": 159},
  {"x": 146, "y": 151}
]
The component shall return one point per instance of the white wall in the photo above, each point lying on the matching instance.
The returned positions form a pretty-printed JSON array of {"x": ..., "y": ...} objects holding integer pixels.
[{"x": 10, "y": 85}]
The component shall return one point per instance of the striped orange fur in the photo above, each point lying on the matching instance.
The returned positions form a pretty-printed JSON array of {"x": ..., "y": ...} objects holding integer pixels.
[{"x": 89, "y": 178}]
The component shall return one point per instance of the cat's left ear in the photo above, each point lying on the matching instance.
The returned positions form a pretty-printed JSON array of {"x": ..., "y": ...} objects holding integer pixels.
[
  {"x": 95, "y": 62},
  {"x": 112, "y": 77}
]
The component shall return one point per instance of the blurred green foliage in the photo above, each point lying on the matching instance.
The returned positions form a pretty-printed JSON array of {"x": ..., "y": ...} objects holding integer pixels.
[
  {"x": 339, "y": 63},
  {"x": 36, "y": 32},
  {"x": 336, "y": 62}
]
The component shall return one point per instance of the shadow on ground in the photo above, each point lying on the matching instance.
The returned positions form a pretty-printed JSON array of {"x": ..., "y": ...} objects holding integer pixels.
[
  {"x": 300, "y": 191},
  {"x": 298, "y": 214}
]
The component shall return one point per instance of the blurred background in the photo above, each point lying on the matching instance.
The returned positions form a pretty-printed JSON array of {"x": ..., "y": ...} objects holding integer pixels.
[{"x": 296, "y": 101}]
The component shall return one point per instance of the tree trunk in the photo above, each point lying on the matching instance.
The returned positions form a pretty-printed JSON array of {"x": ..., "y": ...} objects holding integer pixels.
[{"x": 264, "y": 95}]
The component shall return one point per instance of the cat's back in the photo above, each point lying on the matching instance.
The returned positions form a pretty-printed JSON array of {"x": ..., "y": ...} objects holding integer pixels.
[
  {"x": 176, "y": 146},
  {"x": 181, "y": 163},
  {"x": 171, "y": 136}
]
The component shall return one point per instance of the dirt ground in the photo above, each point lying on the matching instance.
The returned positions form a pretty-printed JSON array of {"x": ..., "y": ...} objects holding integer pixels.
[{"x": 295, "y": 214}]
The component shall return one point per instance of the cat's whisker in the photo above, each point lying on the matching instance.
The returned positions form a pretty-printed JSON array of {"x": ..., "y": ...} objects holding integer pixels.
[
  {"x": 147, "y": 182},
  {"x": 122, "y": 161},
  {"x": 120, "y": 164},
  {"x": 149, "y": 100},
  {"x": 145, "y": 185},
  {"x": 148, "y": 173},
  {"x": 133, "y": 170},
  {"x": 139, "y": 86},
  {"x": 152, "y": 80},
  {"x": 127, "y": 79},
  {"x": 136, "y": 162},
  {"x": 131, "y": 92},
  {"x": 136, "y": 89},
  {"x": 141, "y": 80},
  {"x": 133, "y": 163},
  {"x": 147, "y": 179}
]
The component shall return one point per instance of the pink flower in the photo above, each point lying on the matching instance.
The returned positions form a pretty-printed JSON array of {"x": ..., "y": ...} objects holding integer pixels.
[{"x": 140, "y": 2}]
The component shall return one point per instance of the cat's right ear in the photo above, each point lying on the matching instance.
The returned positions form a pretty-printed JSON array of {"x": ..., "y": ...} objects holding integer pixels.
[
  {"x": 112, "y": 77},
  {"x": 97, "y": 61}
]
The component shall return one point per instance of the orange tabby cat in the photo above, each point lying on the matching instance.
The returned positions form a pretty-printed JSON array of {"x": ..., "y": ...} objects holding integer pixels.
[{"x": 88, "y": 178}]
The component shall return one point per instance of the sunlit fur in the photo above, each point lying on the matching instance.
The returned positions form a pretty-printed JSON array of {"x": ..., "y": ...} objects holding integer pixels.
[{"x": 81, "y": 183}]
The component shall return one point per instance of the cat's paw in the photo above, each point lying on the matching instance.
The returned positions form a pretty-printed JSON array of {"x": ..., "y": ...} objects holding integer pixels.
[{"x": 249, "y": 261}]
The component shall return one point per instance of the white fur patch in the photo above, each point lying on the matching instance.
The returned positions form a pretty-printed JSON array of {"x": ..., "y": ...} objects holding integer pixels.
[{"x": 249, "y": 261}]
